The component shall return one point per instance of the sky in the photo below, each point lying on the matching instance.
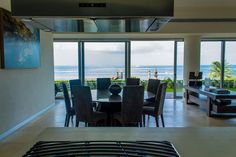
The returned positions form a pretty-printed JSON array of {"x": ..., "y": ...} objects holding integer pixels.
[{"x": 143, "y": 53}]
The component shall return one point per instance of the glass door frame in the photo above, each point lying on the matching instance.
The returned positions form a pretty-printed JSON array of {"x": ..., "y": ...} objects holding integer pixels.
[{"x": 81, "y": 55}]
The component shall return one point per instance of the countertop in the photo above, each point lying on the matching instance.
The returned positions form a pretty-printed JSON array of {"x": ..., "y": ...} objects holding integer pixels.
[{"x": 189, "y": 142}]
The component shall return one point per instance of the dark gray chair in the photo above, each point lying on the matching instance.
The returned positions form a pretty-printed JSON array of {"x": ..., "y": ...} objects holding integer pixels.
[
  {"x": 132, "y": 81},
  {"x": 84, "y": 107},
  {"x": 131, "y": 107},
  {"x": 70, "y": 112},
  {"x": 103, "y": 83},
  {"x": 76, "y": 82},
  {"x": 156, "y": 110},
  {"x": 153, "y": 85}
]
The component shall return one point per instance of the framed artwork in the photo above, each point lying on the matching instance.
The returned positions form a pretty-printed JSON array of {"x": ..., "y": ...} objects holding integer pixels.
[{"x": 20, "y": 43}]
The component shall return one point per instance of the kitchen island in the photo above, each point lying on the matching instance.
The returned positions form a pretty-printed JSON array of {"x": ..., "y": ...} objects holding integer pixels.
[{"x": 189, "y": 142}]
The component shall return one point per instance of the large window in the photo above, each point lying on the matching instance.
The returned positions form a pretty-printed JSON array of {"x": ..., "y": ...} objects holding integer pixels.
[
  {"x": 89, "y": 60},
  {"x": 179, "y": 69},
  {"x": 230, "y": 65},
  {"x": 153, "y": 59},
  {"x": 66, "y": 60},
  {"x": 104, "y": 59},
  {"x": 210, "y": 62}
]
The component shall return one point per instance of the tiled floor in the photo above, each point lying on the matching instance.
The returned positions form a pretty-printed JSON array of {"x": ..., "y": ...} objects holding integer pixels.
[{"x": 176, "y": 114}]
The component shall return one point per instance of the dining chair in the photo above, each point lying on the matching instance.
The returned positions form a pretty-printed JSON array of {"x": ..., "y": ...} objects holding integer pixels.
[
  {"x": 132, "y": 81},
  {"x": 84, "y": 107},
  {"x": 156, "y": 110},
  {"x": 153, "y": 85},
  {"x": 103, "y": 83},
  {"x": 75, "y": 82},
  {"x": 70, "y": 112},
  {"x": 131, "y": 106}
]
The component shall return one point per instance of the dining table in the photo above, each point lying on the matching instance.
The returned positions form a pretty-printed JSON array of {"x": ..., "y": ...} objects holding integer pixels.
[
  {"x": 110, "y": 104},
  {"x": 104, "y": 96},
  {"x": 105, "y": 101}
]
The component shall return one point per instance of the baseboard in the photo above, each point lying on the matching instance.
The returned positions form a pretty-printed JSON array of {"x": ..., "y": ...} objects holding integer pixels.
[{"x": 12, "y": 130}]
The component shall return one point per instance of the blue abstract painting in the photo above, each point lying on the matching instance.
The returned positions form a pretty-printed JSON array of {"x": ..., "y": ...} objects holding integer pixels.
[{"x": 21, "y": 42}]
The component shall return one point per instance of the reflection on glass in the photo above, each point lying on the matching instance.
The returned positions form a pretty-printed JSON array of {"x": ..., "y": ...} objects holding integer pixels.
[
  {"x": 210, "y": 61},
  {"x": 230, "y": 66},
  {"x": 104, "y": 60}
]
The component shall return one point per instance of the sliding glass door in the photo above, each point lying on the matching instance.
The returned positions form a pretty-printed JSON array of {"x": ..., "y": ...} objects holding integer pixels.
[
  {"x": 89, "y": 60},
  {"x": 211, "y": 62},
  {"x": 66, "y": 61},
  {"x": 104, "y": 60},
  {"x": 179, "y": 69},
  {"x": 230, "y": 65},
  {"x": 153, "y": 60}
]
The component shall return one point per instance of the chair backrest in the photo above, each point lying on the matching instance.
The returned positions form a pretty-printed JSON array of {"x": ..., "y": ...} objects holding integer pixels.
[
  {"x": 103, "y": 83},
  {"x": 132, "y": 103},
  {"x": 160, "y": 99},
  {"x": 153, "y": 85},
  {"x": 132, "y": 81},
  {"x": 66, "y": 97},
  {"x": 83, "y": 103},
  {"x": 76, "y": 82}
]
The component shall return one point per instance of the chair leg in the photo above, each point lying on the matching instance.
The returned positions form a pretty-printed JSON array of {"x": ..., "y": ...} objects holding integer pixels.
[
  {"x": 162, "y": 120},
  {"x": 76, "y": 123},
  {"x": 67, "y": 120},
  {"x": 144, "y": 119},
  {"x": 157, "y": 119},
  {"x": 72, "y": 120},
  {"x": 140, "y": 124}
]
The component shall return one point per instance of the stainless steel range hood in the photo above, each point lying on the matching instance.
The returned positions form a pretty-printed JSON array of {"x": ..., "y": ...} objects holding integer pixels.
[{"x": 95, "y": 15}]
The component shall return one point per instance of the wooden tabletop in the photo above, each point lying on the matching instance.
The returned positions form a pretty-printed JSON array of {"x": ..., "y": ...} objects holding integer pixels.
[
  {"x": 189, "y": 142},
  {"x": 106, "y": 96}
]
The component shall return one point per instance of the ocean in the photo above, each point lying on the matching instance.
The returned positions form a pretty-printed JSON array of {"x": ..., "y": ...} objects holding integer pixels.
[{"x": 143, "y": 72}]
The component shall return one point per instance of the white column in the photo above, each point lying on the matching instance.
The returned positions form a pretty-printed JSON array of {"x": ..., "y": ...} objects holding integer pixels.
[{"x": 192, "y": 46}]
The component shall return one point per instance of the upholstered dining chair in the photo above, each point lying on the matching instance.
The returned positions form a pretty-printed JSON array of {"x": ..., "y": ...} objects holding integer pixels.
[
  {"x": 131, "y": 107},
  {"x": 103, "y": 83},
  {"x": 153, "y": 85},
  {"x": 75, "y": 82},
  {"x": 70, "y": 112},
  {"x": 156, "y": 110},
  {"x": 132, "y": 81},
  {"x": 84, "y": 107}
]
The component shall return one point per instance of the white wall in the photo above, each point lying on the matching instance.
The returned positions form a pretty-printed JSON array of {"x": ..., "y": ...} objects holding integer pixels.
[{"x": 24, "y": 93}]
